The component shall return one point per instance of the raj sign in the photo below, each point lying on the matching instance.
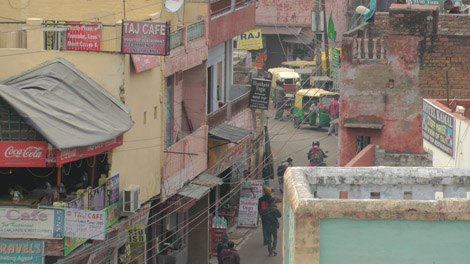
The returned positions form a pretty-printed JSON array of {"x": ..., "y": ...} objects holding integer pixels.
[
  {"x": 259, "y": 94},
  {"x": 437, "y": 128},
  {"x": 251, "y": 40},
  {"x": 142, "y": 37}
]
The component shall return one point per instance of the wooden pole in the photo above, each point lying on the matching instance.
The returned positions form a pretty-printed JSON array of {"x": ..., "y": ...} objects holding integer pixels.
[
  {"x": 59, "y": 179},
  {"x": 93, "y": 172}
]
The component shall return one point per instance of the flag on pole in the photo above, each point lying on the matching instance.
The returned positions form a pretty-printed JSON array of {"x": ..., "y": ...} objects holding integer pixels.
[{"x": 331, "y": 28}]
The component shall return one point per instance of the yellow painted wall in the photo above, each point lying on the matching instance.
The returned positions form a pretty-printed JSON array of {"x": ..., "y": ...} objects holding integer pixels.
[
  {"x": 106, "y": 11},
  {"x": 138, "y": 160}
]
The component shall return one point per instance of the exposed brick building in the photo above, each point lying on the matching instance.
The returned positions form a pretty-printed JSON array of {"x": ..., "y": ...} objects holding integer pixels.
[{"x": 389, "y": 66}]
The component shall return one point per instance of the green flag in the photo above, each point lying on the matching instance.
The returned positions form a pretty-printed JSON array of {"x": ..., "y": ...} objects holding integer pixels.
[{"x": 331, "y": 28}]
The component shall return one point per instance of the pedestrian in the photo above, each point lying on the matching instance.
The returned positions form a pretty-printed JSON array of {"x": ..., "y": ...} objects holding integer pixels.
[
  {"x": 221, "y": 246},
  {"x": 281, "y": 169},
  {"x": 230, "y": 254},
  {"x": 263, "y": 203},
  {"x": 271, "y": 223},
  {"x": 333, "y": 111},
  {"x": 448, "y": 5},
  {"x": 316, "y": 155},
  {"x": 279, "y": 98}
]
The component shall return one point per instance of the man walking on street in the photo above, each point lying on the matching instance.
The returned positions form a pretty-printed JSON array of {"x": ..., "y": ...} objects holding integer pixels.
[
  {"x": 263, "y": 203},
  {"x": 333, "y": 111},
  {"x": 281, "y": 169},
  {"x": 279, "y": 99},
  {"x": 271, "y": 224},
  {"x": 230, "y": 255}
]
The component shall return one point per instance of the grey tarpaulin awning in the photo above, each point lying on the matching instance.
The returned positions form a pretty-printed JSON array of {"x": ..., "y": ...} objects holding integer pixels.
[
  {"x": 208, "y": 180},
  {"x": 229, "y": 133},
  {"x": 299, "y": 39},
  {"x": 281, "y": 30},
  {"x": 65, "y": 106},
  {"x": 194, "y": 191}
]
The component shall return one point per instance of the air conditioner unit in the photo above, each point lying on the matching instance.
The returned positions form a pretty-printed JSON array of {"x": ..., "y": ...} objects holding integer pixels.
[{"x": 131, "y": 199}]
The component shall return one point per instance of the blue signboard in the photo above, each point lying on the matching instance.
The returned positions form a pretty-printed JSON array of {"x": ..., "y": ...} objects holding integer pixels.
[
  {"x": 31, "y": 252},
  {"x": 112, "y": 186}
]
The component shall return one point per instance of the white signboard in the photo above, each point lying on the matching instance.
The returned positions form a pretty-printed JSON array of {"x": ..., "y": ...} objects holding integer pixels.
[
  {"x": 31, "y": 223},
  {"x": 85, "y": 224},
  {"x": 248, "y": 212},
  {"x": 252, "y": 189}
]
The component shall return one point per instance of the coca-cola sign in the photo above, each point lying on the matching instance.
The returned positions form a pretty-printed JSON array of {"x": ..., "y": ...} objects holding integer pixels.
[{"x": 23, "y": 153}]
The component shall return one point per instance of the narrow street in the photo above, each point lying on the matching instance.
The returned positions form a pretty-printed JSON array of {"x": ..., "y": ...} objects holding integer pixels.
[{"x": 286, "y": 141}]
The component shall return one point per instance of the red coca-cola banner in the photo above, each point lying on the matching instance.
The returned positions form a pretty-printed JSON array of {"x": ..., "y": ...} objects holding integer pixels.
[
  {"x": 73, "y": 154},
  {"x": 23, "y": 153}
]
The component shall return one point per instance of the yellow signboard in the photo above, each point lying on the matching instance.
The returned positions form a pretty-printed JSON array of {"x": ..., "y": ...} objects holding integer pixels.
[
  {"x": 136, "y": 234},
  {"x": 251, "y": 40}
]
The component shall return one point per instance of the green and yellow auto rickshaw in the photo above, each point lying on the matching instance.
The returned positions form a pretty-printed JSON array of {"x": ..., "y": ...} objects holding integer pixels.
[{"x": 311, "y": 107}]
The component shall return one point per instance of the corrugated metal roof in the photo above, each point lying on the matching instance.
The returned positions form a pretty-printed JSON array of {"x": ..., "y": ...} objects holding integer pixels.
[
  {"x": 230, "y": 133},
  {"x": 208, "y": 180},
  {"x": 194, "y": 191}
]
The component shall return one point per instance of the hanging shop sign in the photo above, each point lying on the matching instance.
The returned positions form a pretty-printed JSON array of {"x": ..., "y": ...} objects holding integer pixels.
[
  {"x": 252, "y": 189},
  {"x": 31, "y": 252},
  {"x": 136, "y": 233},
  {"x": 437, "y": 127},
  {"x": 251, "y": 40},
  {"x": 112, "y": 189},
  {"x": 112, "y": 214},
  {"x": 83, "y": 35},
  {"x": 147, "y": 38},
  {"x": 73, "y": 154},
  {"x": 23, "y": 153},
  {"x": 85, "y": 224},
  {"x": 144, "y": 62},
  {"x": 259, "y": 94},
  {"x": 31, "y": 223},
  {"x": 248, "y": 212},
  {"x": 71, "y": 243},
  {"x": 97, "y": 198}
]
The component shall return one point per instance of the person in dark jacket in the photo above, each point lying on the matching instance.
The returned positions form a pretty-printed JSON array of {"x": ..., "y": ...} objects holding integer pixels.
[
  {"x": 271, "y": 224},
  {"x": 221, "y": 246},
  {"x": 263, "y": 202},
  {"x": 230, "y": 255}
]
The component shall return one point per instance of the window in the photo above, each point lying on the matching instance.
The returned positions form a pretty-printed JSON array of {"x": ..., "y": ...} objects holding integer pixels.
[
  {"x": 343, "y": 195},
  {"x": 375, "y": 195},
  {"x": 361, "y": 143}
]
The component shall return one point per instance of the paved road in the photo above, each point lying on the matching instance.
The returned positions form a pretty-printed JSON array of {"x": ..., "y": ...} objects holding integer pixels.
[{"x": 286, "y": 141}]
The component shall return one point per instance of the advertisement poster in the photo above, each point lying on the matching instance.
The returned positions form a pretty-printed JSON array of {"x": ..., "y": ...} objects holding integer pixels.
[
  {"x": 23, "y": 153},
  {"x": 259, "y": 94},
  {"x": 112, "y": 190},
  {"x": 85, "y": 224},
  {"x": 136, "y": 240},
  {"x": 71, "y": 243},
  {"x": 248, "y": 212},
  {"x": 437, "y": 127},
  {"x": 84, "y": 35},
  {"x": 31, "y": 223},
  {"x": 251, "y": 40},
  {"x": 252, "y": 189},
  {"x": 31, "y": 252},
  {"x": 97, "y": 198},
  {"x": 112, "y": 214},
  {"x": 147, "y": 38}
]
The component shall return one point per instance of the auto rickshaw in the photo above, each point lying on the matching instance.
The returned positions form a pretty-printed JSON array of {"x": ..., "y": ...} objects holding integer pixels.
[
  {"x": 316, "y": 116},
  {"x": 287, "y": 76}
]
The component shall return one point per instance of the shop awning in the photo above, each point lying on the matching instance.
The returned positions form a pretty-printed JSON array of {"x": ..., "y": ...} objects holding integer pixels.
[
  {"x": 65, "y": 106},
  {"x": 281, "y": 30},
  {"x": 194, "y": 191},
  {"x": 299, "y": 39},
  {"x": 208, "y": 180},
  {"x": 229, "y": 133}
]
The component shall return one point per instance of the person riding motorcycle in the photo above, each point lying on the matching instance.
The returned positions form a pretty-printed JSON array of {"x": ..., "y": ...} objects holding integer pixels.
[{"x": 316, "y": 155}]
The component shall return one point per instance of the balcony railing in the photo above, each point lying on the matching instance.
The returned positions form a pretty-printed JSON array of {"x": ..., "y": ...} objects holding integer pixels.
[
  {"x": 366, "y": 45},
  {"x": 219, "y": 7},
  {"x": 176, "y": 38},
  {"x": 13, "y": 35},
  {"x": 189, "y": 32},
  {"x": 195, "y": 30},
  {"x": 230, "y": 109}
]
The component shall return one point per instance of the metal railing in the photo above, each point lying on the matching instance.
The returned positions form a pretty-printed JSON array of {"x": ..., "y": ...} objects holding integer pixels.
[
  {"x": 195, "y": 30},
  {"x": 176, "y": 38},
  {"x": 12, "y": 34}
]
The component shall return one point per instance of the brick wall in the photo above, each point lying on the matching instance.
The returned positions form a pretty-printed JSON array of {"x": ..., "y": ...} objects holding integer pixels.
[{"x": 383, "y": 158}]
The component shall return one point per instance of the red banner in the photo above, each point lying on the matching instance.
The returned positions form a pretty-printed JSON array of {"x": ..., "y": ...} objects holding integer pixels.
[
  {"x": 23, "y": 153},
  {"x": 73, "y": 154},
  {"x": 85, "y": 36},
  {"x": 144, "y": 62}
]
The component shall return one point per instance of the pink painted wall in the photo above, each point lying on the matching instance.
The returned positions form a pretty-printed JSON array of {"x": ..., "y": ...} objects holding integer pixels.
[
  {"x": 179, "y": 168},
  {"x": 231, "y": 25},
  {"x": 365, "y": 158},
  {"x": 194, "y": 95},
  {"x": 366, "y": 97}
]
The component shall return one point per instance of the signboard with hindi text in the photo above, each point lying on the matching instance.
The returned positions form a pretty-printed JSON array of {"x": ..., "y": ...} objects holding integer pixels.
[
  {"x": 259, "y": 94},
  {"x": 248, "y": 212},
  {"x": 252, "y": 189},
  {"x": 437, "y": 127}
]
